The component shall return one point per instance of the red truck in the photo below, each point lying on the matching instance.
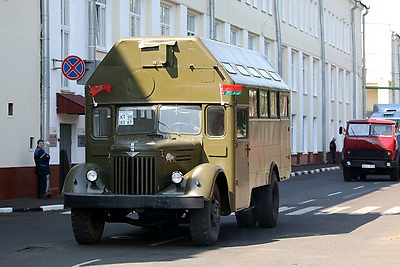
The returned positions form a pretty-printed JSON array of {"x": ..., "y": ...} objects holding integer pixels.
[{"x": 370, "y": 147}]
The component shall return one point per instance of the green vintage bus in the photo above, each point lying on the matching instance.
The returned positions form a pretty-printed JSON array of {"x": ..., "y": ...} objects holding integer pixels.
[{"x": 181, "y": 130}]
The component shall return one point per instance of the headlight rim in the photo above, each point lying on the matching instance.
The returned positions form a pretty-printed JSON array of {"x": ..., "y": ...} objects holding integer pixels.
[{"x": 92, "y": 176}]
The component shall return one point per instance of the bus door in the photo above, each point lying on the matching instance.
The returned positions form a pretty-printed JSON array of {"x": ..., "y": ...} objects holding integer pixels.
[{"x": 242, "y": 158}]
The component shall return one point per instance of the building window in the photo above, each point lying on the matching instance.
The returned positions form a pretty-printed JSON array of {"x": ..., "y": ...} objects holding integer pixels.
[
  {"x": 315, "y": 139},
  {"x": 339, "y": 86},
  {"x": 135, "y": 17},
  {"x": 305, "y": 134},
  {"x": 165, "y": 20},
  {"x": 10, "y": 109},
  {"x": 315, "y": 77},
  {"x": 65, "y": 31},
  {"x": 294, "y": 70},
  {"x": 304, "y": 82},
  {"x": 101, "y": 23},
  {"x": 191, "y": 25},
  {"x": 234, "y": 36},
  {"x": 294, "y": 134},
  {"x": 252, "y": 42},
  {"x": 332, "y": 83},
  {"x": 267, "y": 50}
]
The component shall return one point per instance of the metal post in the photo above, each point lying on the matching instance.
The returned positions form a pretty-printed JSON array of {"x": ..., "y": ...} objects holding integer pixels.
[
  {"x": 353, "y": 38},
  {"x": 364, "y": 75},
  {"x": 212, "y": 19},
  {"x": 92, "y": 30},
  {"x": 278, "y": 36},
  {"x": 45, "y": 76},
  {"x": 323, "y": 80}
]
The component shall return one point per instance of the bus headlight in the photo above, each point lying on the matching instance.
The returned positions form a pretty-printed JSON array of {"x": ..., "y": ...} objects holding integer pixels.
[
  {"x": 177, "y": 177},
  {"x": 91, "y": 176},
  {"x": 388, "y": 164},
  {"x": 348, "y": 163}
]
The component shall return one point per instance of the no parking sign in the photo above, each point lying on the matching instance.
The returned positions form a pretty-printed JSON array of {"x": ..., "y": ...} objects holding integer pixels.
[{"x": 73, "y": 67}]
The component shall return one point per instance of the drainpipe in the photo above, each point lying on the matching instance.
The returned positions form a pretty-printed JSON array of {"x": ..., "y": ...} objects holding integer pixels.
[
  {"x": 353, "y": 37},
  {"x": 393, "y": 100},
  {"x": 323, "y": 79},
  {"x": 45, "y": 73},
  {"x": 278, "y": 36},
  {"x": 364, "y": 75},
  {"x": 92, "y": 30},
  {"x": 211, "y": 5}
]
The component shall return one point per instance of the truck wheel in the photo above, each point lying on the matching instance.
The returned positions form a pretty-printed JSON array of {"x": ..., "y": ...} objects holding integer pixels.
[
  {"x": 267, "y": 203},
  {"x": 348, "y": 174},
  {"x": 394, "y": 174},
  {"x": 205, "y": 222},
  {"x": 246, "y": 218},
  {"x": 87, "y": 226}
]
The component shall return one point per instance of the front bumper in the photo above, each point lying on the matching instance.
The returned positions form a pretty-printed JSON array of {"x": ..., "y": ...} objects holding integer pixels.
[
  {"x": 74, "y": 200},
  {"x": 380, "y": 165}
]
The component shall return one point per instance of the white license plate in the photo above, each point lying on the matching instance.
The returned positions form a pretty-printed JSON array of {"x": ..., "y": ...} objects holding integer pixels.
[{"x": 368, "y": 166}]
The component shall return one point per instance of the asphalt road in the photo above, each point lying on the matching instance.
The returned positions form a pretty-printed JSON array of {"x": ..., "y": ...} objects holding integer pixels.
[{"x": 323, "y": 221}]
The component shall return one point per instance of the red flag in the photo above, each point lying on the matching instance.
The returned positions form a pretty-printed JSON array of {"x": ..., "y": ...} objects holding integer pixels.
[
  {"x": 94, "y": 90},
  {"x": 231, "y": 89}
]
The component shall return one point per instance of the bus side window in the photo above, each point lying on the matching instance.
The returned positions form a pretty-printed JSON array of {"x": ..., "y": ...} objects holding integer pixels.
[
  {"x": 215, "y": 121},
  {"x": 242, "y": 122}
]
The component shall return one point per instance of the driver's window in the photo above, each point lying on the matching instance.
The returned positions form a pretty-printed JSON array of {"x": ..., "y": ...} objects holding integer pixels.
[
  {"x": 242, "y": 122},
  {"x": 215, "y": 121}
]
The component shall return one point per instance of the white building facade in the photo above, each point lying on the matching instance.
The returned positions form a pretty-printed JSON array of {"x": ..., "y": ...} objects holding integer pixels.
[{"x": 324, "y": 76}]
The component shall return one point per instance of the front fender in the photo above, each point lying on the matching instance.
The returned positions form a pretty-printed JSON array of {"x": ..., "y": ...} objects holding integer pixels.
[
  {"x": 201, "y": 179},
  {"x": 76, "y": 181}
]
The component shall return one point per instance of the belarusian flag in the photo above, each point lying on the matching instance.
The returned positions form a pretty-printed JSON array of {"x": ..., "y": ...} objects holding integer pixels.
[{"x": 231, "y": 89}]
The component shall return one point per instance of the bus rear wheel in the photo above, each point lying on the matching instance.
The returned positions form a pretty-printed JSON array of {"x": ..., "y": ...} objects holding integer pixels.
[
  {"x": 87, "y": 226},
  {"x": 267, "y": 203},
  {"x": 205, "y": 222}
]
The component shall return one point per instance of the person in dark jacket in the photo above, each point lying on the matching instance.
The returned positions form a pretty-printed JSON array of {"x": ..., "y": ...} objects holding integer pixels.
[
  {"x": 332, "y": 148},
  {"x": 42, "y": 160}
]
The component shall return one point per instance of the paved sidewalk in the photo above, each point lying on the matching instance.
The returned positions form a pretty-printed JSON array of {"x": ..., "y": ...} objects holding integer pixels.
[{"x": 57, "y": 203}]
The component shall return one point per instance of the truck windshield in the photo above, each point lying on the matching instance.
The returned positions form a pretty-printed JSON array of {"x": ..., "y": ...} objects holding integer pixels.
[
  {"x": 136, "y": 120},
  {"x": 180, "y": 119},
  {"x": 369, "y": 129}
]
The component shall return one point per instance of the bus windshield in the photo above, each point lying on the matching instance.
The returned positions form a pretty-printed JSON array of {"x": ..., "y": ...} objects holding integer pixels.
[
  {"x": 179, "y": 119},
  {"x": 172, "y": 119}
]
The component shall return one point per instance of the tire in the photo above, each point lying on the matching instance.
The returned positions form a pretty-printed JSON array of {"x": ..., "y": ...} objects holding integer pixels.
[
  {"x": 205, "y": 222},
  {"x": 246, "y": 218},
  {"x": 267, "y": 203},
  {"x": 348, "y": 174},
  {"x": 394, "y": 174},
  {"x": 87, "y": 226}
]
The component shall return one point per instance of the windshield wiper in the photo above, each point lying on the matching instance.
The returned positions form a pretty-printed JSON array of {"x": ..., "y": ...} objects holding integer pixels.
[{"x": 169, "y": 128}]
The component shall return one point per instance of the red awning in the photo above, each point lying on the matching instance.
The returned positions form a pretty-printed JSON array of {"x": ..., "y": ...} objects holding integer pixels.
[{"x": 70, "y": 104}]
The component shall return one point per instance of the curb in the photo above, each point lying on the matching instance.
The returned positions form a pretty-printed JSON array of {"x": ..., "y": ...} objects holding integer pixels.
[
  {"x": 40, "y": 208},
  {"x": 314, "y": 171}
]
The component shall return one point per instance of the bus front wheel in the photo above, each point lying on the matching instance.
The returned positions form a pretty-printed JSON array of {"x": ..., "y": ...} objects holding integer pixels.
[
  {"x": 205, "y": 222},
  {"x": 87, "y": 226}
]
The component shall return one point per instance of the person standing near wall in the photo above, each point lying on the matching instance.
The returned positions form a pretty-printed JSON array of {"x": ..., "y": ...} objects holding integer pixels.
[
  {"x": 42, "y": 160},
  {"x": 332, "y": 148}
]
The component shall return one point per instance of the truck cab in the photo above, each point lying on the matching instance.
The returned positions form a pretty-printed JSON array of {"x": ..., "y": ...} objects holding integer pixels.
[{"x": 369, "y": 148}]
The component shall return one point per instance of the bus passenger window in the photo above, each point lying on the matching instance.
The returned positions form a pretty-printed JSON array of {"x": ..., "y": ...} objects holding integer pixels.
[
  {"x": 273, "y": 104},
  {"x": 101, "y": 122},
  {"x": 242, "y": 122},
  {"x": 215, "y": 121},
  {"x": 253, "y": 103}
]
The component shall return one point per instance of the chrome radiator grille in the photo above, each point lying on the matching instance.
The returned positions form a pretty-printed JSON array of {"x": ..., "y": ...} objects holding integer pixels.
[{"x": 134, "y": 176}]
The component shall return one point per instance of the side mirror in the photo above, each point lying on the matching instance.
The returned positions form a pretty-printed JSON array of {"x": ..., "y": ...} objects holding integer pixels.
[{"x": 341, "y": 131}]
